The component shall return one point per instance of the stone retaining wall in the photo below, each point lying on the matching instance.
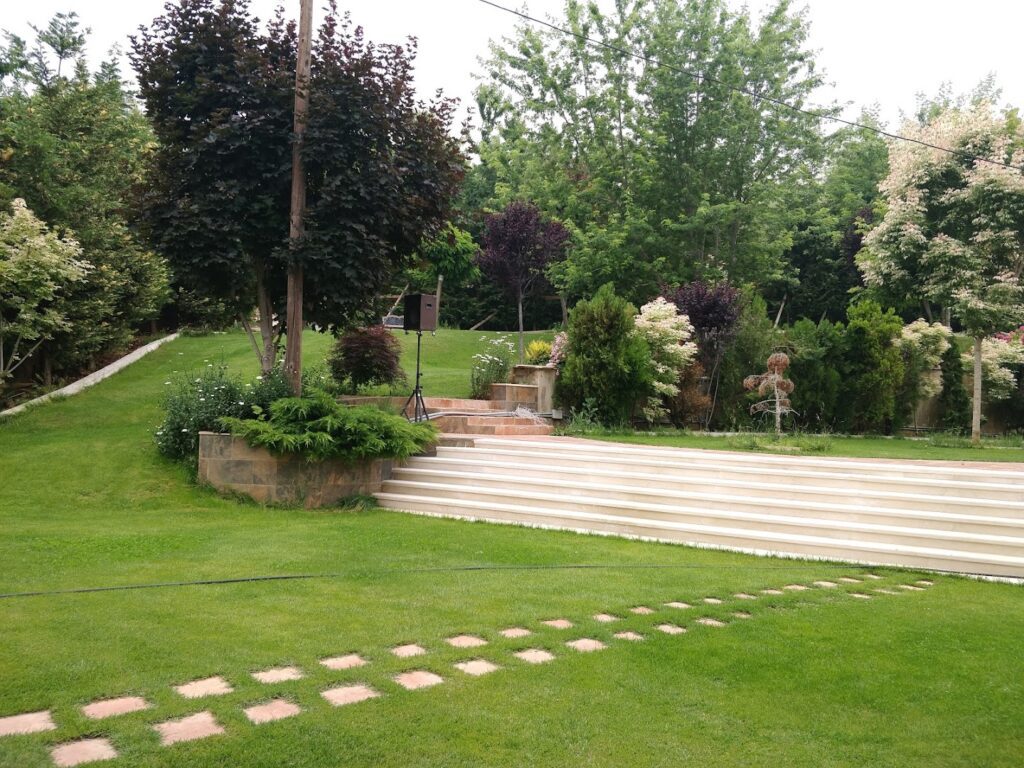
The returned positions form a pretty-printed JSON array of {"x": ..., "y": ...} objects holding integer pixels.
[{"x": 228, "y": 463}]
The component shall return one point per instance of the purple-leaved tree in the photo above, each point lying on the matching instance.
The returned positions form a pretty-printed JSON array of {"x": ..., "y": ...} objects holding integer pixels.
[{"x": 519, "y": 245}]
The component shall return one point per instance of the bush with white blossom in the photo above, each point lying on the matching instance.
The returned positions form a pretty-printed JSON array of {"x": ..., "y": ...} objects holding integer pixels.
[{"x": 668, "y": 334}]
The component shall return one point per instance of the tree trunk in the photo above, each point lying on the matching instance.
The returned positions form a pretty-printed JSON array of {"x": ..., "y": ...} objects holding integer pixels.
[
  {"x": 522, "y": 351},
  {"x": 976, "y": 414},
  {"x": 565, "y": 312},
  {"x": 437, "y": 301},
  {"x": 294, "y": 323},
  {"x": 927, "y": 307}
]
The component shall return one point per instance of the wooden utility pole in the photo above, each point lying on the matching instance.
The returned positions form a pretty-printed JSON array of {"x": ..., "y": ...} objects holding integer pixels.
[{"x": 294, "y": 323}]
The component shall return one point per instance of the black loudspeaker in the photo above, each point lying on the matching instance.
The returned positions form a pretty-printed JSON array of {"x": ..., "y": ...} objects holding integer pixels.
[{"x": 420, "y": 312}]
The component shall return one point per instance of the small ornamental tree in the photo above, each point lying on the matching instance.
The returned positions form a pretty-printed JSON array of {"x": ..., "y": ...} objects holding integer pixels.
[
  {"x": 519, "y": 246},
  {"x": 366, "y": 357},
  {"x": 667, "y": 333},
  {"x": 37, "y": 268},
  {"x": 953, "y": 230}
]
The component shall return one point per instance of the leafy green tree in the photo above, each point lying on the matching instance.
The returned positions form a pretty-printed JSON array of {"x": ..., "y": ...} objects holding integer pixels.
[
  {"x": 37, "y": 268},
  {"x": 954, "y": 402},
  {"x": 74, "y": 147},
  {"x": 382, "y": 169},
  {"x": 953, "y": 230},
  {"x": 815, "y": 355},
  {"x": 872, "y": 369}
]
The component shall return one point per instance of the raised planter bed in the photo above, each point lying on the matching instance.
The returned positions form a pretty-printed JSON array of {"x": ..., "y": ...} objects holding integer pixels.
[{"x": 228, "y": 463}]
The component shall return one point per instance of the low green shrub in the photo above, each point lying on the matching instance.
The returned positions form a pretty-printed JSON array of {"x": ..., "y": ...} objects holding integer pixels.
[
  {"x": 538, "y": 352},
  {"x": 318, "y": 427}
]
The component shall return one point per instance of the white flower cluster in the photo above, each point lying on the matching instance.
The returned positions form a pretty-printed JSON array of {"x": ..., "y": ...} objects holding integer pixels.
[
  {"x": 668, "y": 334},
  {"x": 998, "y": 360},
  {"x": 928, "y": 341}
]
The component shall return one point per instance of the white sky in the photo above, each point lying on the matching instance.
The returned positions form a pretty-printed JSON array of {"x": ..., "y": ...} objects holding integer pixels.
[{"x": 873, "y": 51}]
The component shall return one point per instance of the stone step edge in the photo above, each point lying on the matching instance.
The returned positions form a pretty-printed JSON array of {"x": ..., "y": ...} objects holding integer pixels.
[
  {"x": 738, "y": 533},
  {"x": 752, "y": 517},
  {"x": 747, "y": 484}
]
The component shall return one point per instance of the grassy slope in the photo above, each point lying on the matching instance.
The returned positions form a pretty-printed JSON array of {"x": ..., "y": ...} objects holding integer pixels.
[
  {"x": 816, "y": 678},
  {"x": 939, "y": 449}
]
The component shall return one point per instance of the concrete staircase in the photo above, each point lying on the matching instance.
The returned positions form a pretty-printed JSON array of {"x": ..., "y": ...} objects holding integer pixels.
[{"x": 943, "y": 516}]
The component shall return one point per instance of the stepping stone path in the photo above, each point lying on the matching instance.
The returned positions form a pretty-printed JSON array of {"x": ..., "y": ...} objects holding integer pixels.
[
  {"x": 586, "y": 645},
  {"x": 30, "y": 722},
  {"x": 202, "y": 725},
  {"x": 348, "y": 661},
  {"x": 191, "y": 728},
  {"x": 408, "y": 651},
  {"x": 278, "y": 709},
  {"x": 466, "y": 641},
  {"x": 629, "y": 635},
  {"x": 84, "y": 751},
  {"x": 278, "y": 675},
  {"x": 477, "y": 667},
  {"x": 420, "y": 678},
  {"x": 514, "y": 632},
  {"x": 535, "y": 656},
  {"x": 111, "y": 707},
  {"x": 210, "y": 686},
  {"x": 352, "y": 694}
]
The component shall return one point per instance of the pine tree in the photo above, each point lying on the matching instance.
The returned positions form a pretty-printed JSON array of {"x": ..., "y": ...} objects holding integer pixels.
[{"x": 954, "y": 403}]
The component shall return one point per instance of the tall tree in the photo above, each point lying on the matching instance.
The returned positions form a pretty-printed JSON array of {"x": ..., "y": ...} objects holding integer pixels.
[
  {"x": 953, "y": 230},
  {"x": 520, "y": 244},
  {"x": 381, "y": 168}
]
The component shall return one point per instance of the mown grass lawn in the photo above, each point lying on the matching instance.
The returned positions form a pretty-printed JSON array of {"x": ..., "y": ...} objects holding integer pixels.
[{"x": 814, "y": 678}]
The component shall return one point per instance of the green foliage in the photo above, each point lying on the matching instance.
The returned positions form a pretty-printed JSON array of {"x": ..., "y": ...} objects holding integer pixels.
[
  {"x": 38, "y": 270},
  {"x": 491, "y": 367},
  {"x": 452, "y": 254},
  {"x": 367, "y": 357},
  {"x": 318, "y": 427},
  {"x": 538, "y": 352},
  {"x": 873, "y": 369},
  {"x": 755, "y": 338},
  {"x": 815, "y": 358},
  {"x": 195, "y": 401},
  {"x": 607, "y": 363},
  {"x": 954, "y": 402}
]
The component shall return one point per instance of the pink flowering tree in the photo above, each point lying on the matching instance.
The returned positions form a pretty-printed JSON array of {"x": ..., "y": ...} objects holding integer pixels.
[{"x": 953, "y": 229}]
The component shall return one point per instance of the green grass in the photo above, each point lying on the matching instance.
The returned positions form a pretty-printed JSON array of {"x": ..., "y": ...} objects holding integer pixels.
[
  {"x": 936, "y": 448},
  {"x": 816, "y": 678}
]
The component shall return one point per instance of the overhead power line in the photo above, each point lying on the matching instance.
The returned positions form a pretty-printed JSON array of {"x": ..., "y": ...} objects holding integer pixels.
[{"x": 736, "y": 89}]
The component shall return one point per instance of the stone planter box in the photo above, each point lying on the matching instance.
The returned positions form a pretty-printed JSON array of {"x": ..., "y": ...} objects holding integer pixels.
[
  {"x": 228, "y": 463},
  {"x": 542, "y": 377}
]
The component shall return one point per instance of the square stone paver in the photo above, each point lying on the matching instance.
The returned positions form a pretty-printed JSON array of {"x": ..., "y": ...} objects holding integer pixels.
[
  {"x": 419, "y": 678},
  {"x": 860, "y": 595},
  {"x": 408, "y": 651},
  {"x": 278, "y": 675},
  {"x": 558, "y": 623},
  {"x": 743, "y": 615},
  {"x": 872, "y": 576},
  {"x": 924, "y": 583},
  {"x": 712, "y": 601},
  {"x": 677, "y": 604},
  {"x": 198, "y": 726},
  {"x": 98, "y": 710},
  {"x": 629, "y": 635},
  {"x": 825, "y": 584},
  {"x": 796, "y": 587},
  {"x": 210, "y": 686},
  {"x": 349, "y": 694},
  {"x": 278, "y": 709},
  {"x": 884, "y": 591},
  {"x": 671, "y": 629},
  {"x": 477, "y": 667},
  {"x": 771, "y": 591},
  {"x": 641, "y": 610},
  {"x": 466, "y": 641},
  {"x": 535, "y": 656},
  {"x": 30, "y": 722},
  {"x": 348, "y": 661},
  {"x": 745, "y": 596},
  {"x": 586, "y": 645},
  {"x": 514, "y": 632},
  {"x": 605, "y": 618},
  {"x": 84, "y": 751},
  {"x": 707, "y": 621},
  {"x": 849, "y": 580},
  {"x": 910, "y": 587}
]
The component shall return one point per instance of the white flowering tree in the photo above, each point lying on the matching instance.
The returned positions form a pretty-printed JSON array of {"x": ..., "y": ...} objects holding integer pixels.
[
  {"x": 953, "y": 231},
  {"x": 36, "y": 269},
  {"x": 668, "y": 334}
]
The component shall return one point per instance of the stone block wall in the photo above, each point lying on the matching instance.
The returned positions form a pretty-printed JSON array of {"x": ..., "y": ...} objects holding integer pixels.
[{"x": 228, "y": 463}]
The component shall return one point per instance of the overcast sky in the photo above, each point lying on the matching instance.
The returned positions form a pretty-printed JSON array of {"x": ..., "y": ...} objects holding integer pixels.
[{"x": 873, "y": 51}]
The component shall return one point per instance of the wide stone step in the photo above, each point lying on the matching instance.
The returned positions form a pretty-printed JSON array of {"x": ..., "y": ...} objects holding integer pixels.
[
  {"x": 515, "y": 395},
  {"x": 492, "y": 425},
  {"x": 773, "y": 522},
  {"x": 738, "y": 538},
  {"x": 837, "y": 490}
]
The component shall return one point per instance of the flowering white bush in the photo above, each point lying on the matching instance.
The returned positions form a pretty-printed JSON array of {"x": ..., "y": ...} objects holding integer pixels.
[
  {"x": 925, "y": 344},
  {"x": 999, "y": 357},
  {"x": 668, "y": 335},
  {"x": 491, "y": 366}
]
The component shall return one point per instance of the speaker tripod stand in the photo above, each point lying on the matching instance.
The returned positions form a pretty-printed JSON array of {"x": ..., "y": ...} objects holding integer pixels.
[{"x": 419, "y": 408}]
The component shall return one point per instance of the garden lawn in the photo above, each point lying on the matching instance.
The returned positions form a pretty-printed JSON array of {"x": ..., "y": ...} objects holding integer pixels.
[
  {"x": 814, "y": 678},
  {"x": 935, "y": 448}
]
